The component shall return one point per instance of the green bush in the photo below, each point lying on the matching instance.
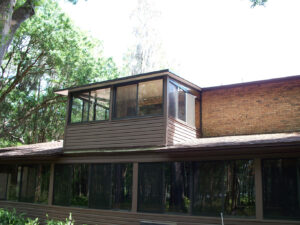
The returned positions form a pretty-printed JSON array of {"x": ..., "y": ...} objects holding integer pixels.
[{"x": 12, "y": 218}]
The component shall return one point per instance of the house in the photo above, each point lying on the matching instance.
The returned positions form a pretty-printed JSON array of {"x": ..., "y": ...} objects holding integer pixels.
[{"x": 157, "y": 149}]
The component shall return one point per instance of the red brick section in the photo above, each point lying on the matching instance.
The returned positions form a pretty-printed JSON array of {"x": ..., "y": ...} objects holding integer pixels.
[{"x": 254, "y": 108}]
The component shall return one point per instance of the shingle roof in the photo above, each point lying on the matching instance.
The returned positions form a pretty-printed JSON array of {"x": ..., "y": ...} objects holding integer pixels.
[
  {"x": 55, "y": 148},
  {"x": 40, "y": 149},
  {"x": 242, "y": 140}
]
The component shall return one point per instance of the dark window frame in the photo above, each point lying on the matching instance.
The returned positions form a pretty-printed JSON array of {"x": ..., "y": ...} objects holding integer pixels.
[
  {"x": 114, "y": 117},
  {"x": 72, "y": 94}
]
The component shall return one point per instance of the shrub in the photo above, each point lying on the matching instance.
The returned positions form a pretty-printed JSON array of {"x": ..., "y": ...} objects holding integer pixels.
[{"x": 12, "y": 218}]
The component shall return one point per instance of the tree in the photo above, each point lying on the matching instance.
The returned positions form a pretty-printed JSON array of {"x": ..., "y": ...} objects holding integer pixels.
[
  {"x": 47, "y": 52},
  {"x": 12, "y": 14},
  {"x": 258, "y": 3},
  {"x": 147, "y": 53}
]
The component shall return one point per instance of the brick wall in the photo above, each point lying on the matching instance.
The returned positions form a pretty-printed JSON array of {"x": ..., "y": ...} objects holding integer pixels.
[{"x": 254, "y": 108}]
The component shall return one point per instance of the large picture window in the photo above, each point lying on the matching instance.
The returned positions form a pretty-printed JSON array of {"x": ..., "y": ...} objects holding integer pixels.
[
  {"x": 98, "y": 186},
  {"x": 90, "y": 106},
  {"x": 143, "y": 98},
  {"x": 181, "y": 103},
  {"x": 281, "y": 188},
  {"x": 198, "y": 188},
  {"x": 71, "y": 185}
]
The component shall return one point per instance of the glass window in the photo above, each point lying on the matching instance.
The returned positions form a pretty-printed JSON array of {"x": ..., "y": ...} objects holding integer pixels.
[
  {"x": 281, "y": 188},
  {"x": 3, "y": 181},
  {"x": 151, "y": 187},
  {"x": 71, "y": 185},
  {"x": 126, "y": 97},
  {"x": 79, "y": 190},
  {"x": 150, "y": 99},
  {"x": 80, "y": 107},
  {"x": 12, "y": 183},
  {"x": 101, "y": 100},
  {"x": 172, "y": 100},
  {"x": 110, "y": 186},
  {"x": 181, "y": 103},
  {"x": 90, "y": 106},
  {"x": 198, "y": 188},
  {"x": 62, "y": 192}
]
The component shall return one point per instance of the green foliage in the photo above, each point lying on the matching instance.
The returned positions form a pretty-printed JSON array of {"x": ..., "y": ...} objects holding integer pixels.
[
  {"x": 12, "y": 218},
  {"x": 258, "y": 3},
  {"x": 47, "y": 53}
]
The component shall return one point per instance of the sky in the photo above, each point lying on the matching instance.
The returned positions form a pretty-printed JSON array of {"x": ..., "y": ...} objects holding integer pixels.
[{"x": 210, "y": 43}]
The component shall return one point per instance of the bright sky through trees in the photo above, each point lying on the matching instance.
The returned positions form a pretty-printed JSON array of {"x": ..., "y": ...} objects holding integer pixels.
[{"x": 208, "y": 42}]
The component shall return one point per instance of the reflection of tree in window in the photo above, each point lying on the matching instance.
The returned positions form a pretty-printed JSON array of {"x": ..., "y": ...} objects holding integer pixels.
[
  {"x": 150, "y": 97},
  {"x": 126, "y": 101}
]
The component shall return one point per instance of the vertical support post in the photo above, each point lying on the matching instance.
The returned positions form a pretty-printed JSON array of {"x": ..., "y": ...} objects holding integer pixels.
[
  {"x": 165, "y": 108},
  {"x": 68, "y": 117},
  {"x": 111, "y": 103},
  {"x": 258, "y": 189},
  {"x": 51, "y": 184},
  {"x": 135, "y": 187}
]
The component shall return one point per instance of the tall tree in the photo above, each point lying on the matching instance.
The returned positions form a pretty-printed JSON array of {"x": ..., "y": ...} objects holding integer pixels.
[
  {"x": 147, "y": 52},
  {"x": 47, "y": 53}
]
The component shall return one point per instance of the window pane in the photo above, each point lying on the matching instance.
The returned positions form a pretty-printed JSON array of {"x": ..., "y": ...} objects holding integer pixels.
[
  {"x": 63, "y": 185},
  {"x": 151, "y": 187},
  {"x": 173, "y": 94},
  {"x": 80, "y": 185},
  {"x": 42, "y": 188},
  {"x": 190, "y": 106},
  {"x": 281, "y": 188},
  {"x": 177, "y": 187},
  {"x": 150, "y": 97},
  {"x": 181, "y": 105},
  {"x": 122, "y": 186},
  {"x": 28, "y": 184},
  {"x": 101, "y": 101},
  {"x": 208, "y": 188},
  {"x": 240, "y": 193},
  {"x": 12, "y": 183},
  {"x": 126, "y": 101},
  {"x": 3, "y": 181},
  {"x": 101, "y": 186},
  {"x": 80, "y": 106},
  {"x": 111, "y": 186}
]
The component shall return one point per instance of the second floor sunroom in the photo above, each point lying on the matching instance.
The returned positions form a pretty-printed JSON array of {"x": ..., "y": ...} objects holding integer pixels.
[
  {"x": 153, "y": 109},
  {"x": 133, "y": 98}
]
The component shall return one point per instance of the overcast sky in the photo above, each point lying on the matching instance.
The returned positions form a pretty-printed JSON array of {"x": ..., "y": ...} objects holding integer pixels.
[{"x": 209, "y": 42}]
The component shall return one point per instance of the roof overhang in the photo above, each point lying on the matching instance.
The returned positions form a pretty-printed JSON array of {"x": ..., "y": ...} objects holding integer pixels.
[{"x": 132, "y": 78}]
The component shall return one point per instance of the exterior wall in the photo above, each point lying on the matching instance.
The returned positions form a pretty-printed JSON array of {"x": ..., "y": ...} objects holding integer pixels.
[
  {"x": 260, "y": 107},
  {"x": 106, "y": 217},
  {"x": 178, "y": 132},
  {"x": 135, "y": 132}
]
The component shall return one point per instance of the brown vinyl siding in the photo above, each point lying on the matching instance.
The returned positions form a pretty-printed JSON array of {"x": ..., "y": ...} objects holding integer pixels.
[
  {"x": 179, "y": 132},
  {"x": 134, "y": 132},
  {"x": 108, "y": 217}
]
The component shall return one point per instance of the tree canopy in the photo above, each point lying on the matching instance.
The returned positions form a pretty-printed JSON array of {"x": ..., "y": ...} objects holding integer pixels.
[{"x": 47, "y": 52}]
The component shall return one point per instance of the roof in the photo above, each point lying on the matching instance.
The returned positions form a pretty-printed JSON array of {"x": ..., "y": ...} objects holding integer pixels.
[
  {"x": 273, "y": 80},
  {"x": 106, "y": 83},
  {"x": 55, "y": 148},
  {"x": 241, "y": 140},
  {"x": 41, "y": 149}
]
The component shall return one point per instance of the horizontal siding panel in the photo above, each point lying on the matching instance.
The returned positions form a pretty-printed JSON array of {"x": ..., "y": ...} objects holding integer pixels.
[
  {"x": 117, "y": 123},
  {"x": 179, "y": 132},
  {"x": 107, "y": 133},
  {"x": 109, "y": 217},
  {"x": 135, "y": 132}
]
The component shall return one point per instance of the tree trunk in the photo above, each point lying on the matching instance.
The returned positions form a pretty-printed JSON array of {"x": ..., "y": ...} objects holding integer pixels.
[{"x": 10, "y": 21}]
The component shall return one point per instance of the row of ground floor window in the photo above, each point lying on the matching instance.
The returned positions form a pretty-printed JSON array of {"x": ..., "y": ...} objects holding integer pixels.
[{"x": 194, "y": 188}]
